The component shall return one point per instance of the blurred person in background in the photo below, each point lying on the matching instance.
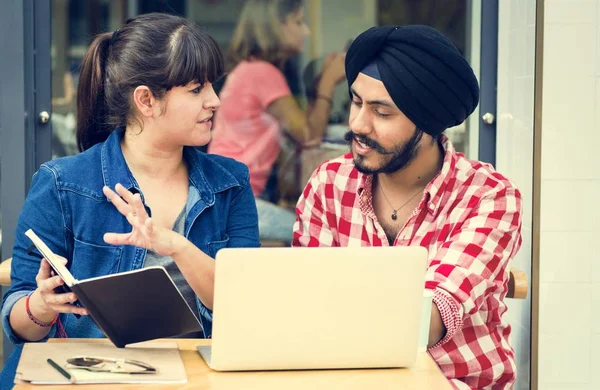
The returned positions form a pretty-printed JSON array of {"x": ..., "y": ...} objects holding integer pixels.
[{"x": 258, "y": 108}]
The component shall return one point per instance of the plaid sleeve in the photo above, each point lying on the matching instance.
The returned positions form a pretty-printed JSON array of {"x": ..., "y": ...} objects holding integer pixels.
[
  {"x": 471, "y": 263},
  {"x": 312, "y": 228}
]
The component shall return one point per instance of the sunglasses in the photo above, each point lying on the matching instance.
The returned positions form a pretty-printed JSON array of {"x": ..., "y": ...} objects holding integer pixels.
[{"x": 103, "y": 364}]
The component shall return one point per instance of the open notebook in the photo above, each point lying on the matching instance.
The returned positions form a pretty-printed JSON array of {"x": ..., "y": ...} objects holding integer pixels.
[
  {"x": 129, "y": 307},
  {"x": 164, "y": 356}
]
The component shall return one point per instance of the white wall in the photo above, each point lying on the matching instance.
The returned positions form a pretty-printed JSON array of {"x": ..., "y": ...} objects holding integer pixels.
[
  {"x": 514, "y": 148},
  {"x": 569, "y": 316},
  {"x": 569, "y": 333}
]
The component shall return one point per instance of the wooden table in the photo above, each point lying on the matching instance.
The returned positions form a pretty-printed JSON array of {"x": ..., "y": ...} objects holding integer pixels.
[{"x": 424, "y": 375}]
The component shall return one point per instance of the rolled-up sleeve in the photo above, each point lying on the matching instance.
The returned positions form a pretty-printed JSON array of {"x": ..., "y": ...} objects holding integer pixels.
[
  {"x": 472, "y": 263},
  {"x": 9, "y": 302}
]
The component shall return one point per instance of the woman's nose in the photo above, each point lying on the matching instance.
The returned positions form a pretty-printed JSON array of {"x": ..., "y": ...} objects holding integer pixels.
[{"x": 212, "y": 102}]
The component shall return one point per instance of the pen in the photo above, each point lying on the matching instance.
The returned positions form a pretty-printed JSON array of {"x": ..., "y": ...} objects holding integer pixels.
[{"x": 62, "y": 371}]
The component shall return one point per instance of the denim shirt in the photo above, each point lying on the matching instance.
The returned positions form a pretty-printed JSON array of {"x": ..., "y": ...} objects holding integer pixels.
[{"x": 67, "y": 209}]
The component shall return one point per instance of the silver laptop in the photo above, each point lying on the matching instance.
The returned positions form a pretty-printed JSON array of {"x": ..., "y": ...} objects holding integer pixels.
[{"x": 316, "y": 308}]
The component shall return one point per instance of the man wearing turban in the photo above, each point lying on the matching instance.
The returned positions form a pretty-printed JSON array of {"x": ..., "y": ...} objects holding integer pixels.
[{"x": 404, "y": 184}]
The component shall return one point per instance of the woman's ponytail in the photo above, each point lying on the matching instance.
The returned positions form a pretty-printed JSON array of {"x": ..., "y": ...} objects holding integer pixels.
[{"x": 92, "y": 110}]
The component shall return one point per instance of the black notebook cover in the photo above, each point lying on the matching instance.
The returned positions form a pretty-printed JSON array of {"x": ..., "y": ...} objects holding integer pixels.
[
  {"x": 137, "y": 306},
  {"x": 131, "y": 306}
]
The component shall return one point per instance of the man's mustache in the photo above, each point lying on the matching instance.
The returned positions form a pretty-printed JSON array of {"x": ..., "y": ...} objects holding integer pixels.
[{"x": 349, "y": 136}]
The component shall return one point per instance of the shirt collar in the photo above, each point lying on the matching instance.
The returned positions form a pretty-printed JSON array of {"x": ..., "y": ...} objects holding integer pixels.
[
  {"x": 114, "y": 167},
  {"x": 438, "y": 185},
  {"x": 206, "y": 175},
  {"x": 434, "y": 191}
]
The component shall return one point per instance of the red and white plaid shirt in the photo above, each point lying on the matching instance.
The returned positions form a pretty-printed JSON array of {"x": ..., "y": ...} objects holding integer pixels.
[{"x": 469, "y": 219}]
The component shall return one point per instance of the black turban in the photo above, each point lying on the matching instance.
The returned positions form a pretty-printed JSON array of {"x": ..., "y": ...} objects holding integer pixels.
[{"x": 425, "y": 75}]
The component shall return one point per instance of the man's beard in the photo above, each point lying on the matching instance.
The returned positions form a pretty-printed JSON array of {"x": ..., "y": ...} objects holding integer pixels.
[{"x": 397, "y": 158}]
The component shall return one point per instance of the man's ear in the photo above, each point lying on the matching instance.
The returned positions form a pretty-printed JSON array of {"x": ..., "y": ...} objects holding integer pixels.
[{"x": 144, "y": 101}]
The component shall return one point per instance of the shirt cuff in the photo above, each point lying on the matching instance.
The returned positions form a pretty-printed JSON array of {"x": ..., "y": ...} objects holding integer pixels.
[
  {"x": 451, "y": 314},
  {"x": 9, "y": 303},
  {"x": 206, "y": 318},
  {"x": 205, "y": 311}
]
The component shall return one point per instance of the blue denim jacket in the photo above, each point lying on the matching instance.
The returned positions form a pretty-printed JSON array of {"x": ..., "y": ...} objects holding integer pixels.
[{"x": 65, "y": 206}]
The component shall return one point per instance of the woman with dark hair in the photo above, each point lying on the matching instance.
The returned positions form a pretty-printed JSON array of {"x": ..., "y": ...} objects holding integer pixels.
[
  {"x": 258, "y": 106},
  {"x": 139, "y": 194}
]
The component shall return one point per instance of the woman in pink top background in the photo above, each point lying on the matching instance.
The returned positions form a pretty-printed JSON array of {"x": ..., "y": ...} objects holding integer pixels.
[{"x": 257, "y": 105}]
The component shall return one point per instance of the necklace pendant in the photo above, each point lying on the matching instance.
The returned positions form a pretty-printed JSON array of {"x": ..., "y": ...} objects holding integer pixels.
[{"x": 394, "y": 215}]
